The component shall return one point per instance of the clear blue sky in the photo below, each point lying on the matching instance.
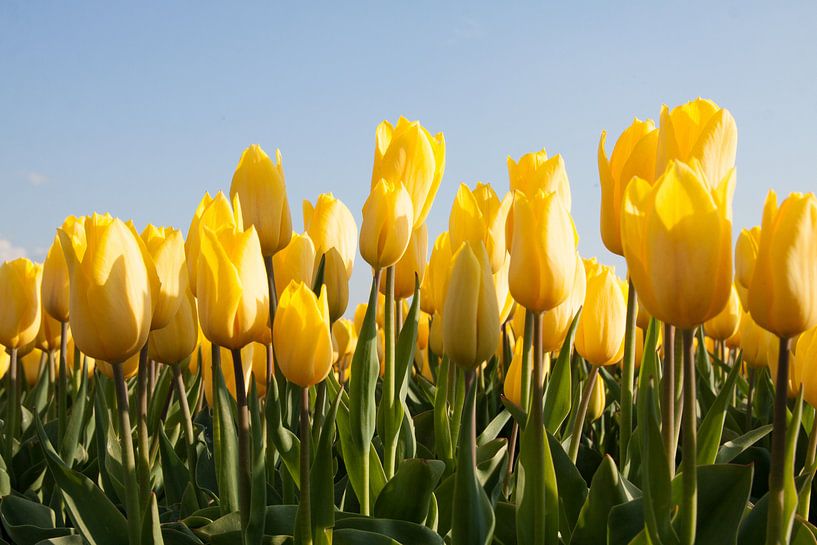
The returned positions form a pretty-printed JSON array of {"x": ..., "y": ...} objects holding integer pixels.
[{"x": 138, "y": 110}]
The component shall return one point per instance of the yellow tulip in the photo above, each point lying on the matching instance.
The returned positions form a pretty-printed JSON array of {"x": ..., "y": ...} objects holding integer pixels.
[
  {"x": 5, "y": 362},
  {"x": 179, "y": 338},
  {"x": 412, "y": 263},
  {"x": 295, "y": 262},
  {"x": 556, "y": 321},
  {"x": 701, "y": 131},
  {"x": 260, "y": 185},
  {"x": 256, "y": 354},
  {"x": 783, "y": 294},
  {"x": 21, "y": 307},
  {"x": 504, "y": 300},
  {"x": 803, "y": 365},
  {"x": 535, "y": 172},
  {"x": 423, "y": 330},
  {"x": 600, "y": 332},
  {"x": 215, "y": 213},
  {"x": 50, "y": 335},
  {"x": 227, "y": 368},
  {"x": 435, "y": 335},
  {"x": 598, "y": 401},
  {"x": 336, "y": 283},
  {"x": 387, "y": 224},
  {"x": 360, "y": 314},
  {"x": 512, "y": 387},
  {"x": 470, "y": 315},
  {"x": 302, "y": 336},
  {"x": 232, "y": 289},
  {"x": 543, "y": 258},
  {"x": 55, "y": 271},
  {"x": 479, "y": 216},
  {"x": 745, "y": 257},
  {"x": 166, "y": 248},
  {"x": 733, "y": 342},
  {"x": 756, "y": 343},
  {"x": 129, "y": 367},
  {"x": 408, "y": 154},
  {"x": 432, "y": 290},
  {"x": 330, "y": 224},
  {"x": 33, "y": 363},
  {"x": 726, "y": 323},
  {"x": 677, "y": 237},
  {"x": 642, "y": 318},
  {"x": 343, "y": 331},
  {"x": 633, "y": 155},
  {"x": 113, "y": 289}
]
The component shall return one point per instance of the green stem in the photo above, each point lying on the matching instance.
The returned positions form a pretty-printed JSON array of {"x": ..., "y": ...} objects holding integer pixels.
[
  {"x": 749, "y": 398},
  {"x": 527, "y": 339},
  {"x": 143, "y": 450},
  {"x": 581, "y": 413},
  {"x": 689, "y": 503},
  {"x": 511, "y": 453},
  {"x": 777, "y": 529},
  {"x": 804, "y": 501},
  {"x": 128, "y": 460},
  {"x": 244, "y": 458},
  {"x": 668, "y": 397},
  {"x": 304, "y": 516},
  {"x": 62, "y": 384},
  {"x": 389, "y": 380},
  {"x": 273, "y": 305},
  {"x": 538, "y": 375},
  {"x": 12, "y": 409},
  {"x": 189, "y": 430},
  {"x": 627, "y": 378}
]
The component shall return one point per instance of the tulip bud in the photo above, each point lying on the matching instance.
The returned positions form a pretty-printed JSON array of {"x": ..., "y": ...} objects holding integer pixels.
[
  {"x": 343, "y": 331},
  {"x": 55, "y": 271},
  {"x": 600, "y": 332},
  {"x": 5, "y": 362},
  {"x": 179, "y": 338},
  {"x": 50, "y": 335},
  {"x": 233, "y": 294},
  {"x": 412, "y": 263},
  {"x": 165, "y": 246},
  {"x": 677, "y": 238},
  {"x": 112, "y": 289},
  {"x": 301, "y": 334},
  {"x": 479, "y": 216},
  {"x": 470, "y": 314},
  {"x": 21, "y": 307},
  {"x": 387, "y": 225},
  {"x": 435, "y": 335},
  {"x": 33, "y": 363},
  {"x": 408, "y": 154},
  {"x": 598, "y": 401},
  {"x": 213, "y": 213},
  {"x": 129, "y": 367},
  {"x": 295, "y": 262},
  {"x": 336, "y": 283},
  {"x": 330, "y": 224},
  {"x": 432, "y": 290},
  {"x": 423, "y": 330},
  {"x": 260, "y": 184},
  {"x": 701, "y": 131},
  {"x": 360, "y": 314},
  {"x": 726, "y": 323},
  {"x": 512, "y": 387},
  {"x": 543, "y": 257},
  {"x": 783, "y": 293},
  {"x": 745, "y": 257},
  {"x": 556, "y": 321},
  {"x": 755, "y": 342},
  {"x": 804, "y": 364},
  {"x": 633, "y": 155},
  {"x": 504, "y": 299}
]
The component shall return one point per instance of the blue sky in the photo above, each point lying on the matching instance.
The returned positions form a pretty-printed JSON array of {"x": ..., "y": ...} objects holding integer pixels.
[{"x": 137, "y": 110}]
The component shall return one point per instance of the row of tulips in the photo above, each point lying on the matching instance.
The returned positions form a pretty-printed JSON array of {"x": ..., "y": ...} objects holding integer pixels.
[{"x": 503, "y": 389}]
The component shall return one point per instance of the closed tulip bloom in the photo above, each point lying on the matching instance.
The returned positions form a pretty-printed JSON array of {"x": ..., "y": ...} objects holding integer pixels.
[
  {"x": 677, "y": 237},
  {"x": 435, "y": 335},
  {"x": 470, "y": 315},
  {"x": 755, "y": 342},
  {"x": 423, "y": 330},
  {"x": 330, "y": 224},
  {"x": 112, "y": 290},
  {"x": 504, "y": 300},
  {"x": 21, "y": 307},
  {"x": 804, "y": 365},
  {"x": 600, "y": 332},
  {"x": 726, "y": 323},
  {"x": 166, "y": 248},
  {"x": 556, "y": 321},
  {"x": 336, "y": 283},
  {"x": 260, "y": 185},
  {"x": 633, "y": 155},
  {"x": 179, "y": 338},
  {"x": 746, "y": 249},
  {"x": 301, "y": 334},
  {"x": 5, "y": 362},
  {"x": 50, "y": 335},
  {"x": 55, "y": 291},
  {"x": 129, "y": 367},
  {"x": 408, "y": 154},
  {"x": 543, "y": 258},
  {"x": 343, "y": 331},
  {"x": 432, "y": 290},
  {"x": 642, "y": 318},
  {"x": 360, "y": 314},
  {"x": 412, "y": 263},
  {"x": 598, "y": 401},
  {"x": 295, "y": 262},
  {"x": 387, "y": 224},
  {"x": 215, "y": 213},
  {"x": 479, "y": 216},
  {"x": 783, "y": 294},
  {"x": 32, "y": 363},
  {"x": 698, "y": 130},
  {"x": 512, "y": 387}
]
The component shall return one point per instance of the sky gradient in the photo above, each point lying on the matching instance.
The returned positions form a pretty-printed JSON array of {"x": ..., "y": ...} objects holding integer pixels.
[{"x": 138, "y": 111}]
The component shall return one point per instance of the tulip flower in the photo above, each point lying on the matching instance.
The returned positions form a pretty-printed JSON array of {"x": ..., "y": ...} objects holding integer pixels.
[
  {"x": 432, "y": 290},
  {"x": 302, "y": 336},
  {"x": 166, "y": 248},
  {"x": 55, "y": 270},
  {"x": 701, "y": 131},
  {"x": 512, "y": 387},
  {"x": 21, "y": 307},
  {"x": 745, "y": 257},
  {"x": 343, "y": 331},
  {"x": 423, "y": 330},
  {"x": 556, "y": 321},
  {"x": 227, "y": 369},
  {"x": 387, "y": 224},
  {"x": 32, "y": 365},
  {"x": 408, "y": 154},
  {"x": 232, "y": 287},
  {"x": 726, "y": 323},
  {"x": 504, "y": 300},
  {"x": 470, "y": 315},
  {"x": 260, "y": 185},
  {"x": 536, "y": 172},
  {"x": 543, "y": 260},
  {"x": 336, "y": 283},
  {"x": 783, "y": 293},
  {"x": 330, "y": 224},
  {"x": 412, "y": 264},
  {"x": 435, "y": 335},
  {"x": 600, "y": 332},
  {"x": 633, "y": 155},
  {"x": 129, "y": 367},
  {"x": 805, "y": 360},
  {"x": 479, "y": 216},
  {"x": 295, "y": 262},
  {"x": 179, "y": 338},
  {"x": 49, "y": 338},
  {"x": 598, "y": 401},
  {"x": 215, "y": 213},
  {"x": 677, "y": 242},
  {"x": 754, "y": 341}
]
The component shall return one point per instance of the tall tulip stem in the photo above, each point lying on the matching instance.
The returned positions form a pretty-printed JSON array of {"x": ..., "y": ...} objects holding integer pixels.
[
  {"x": 128, "y": 459},
  {"x": 749, "y": 398},
  {"x": 581, "y": 413},
  {"x": 525, "y": 379},
  {"x": 689, "y": 467},
  {"x": 777, "y": 529},
  {"x": 668, "y": 397},
  {"x": 273, "y": 305},
  {"x": 244, "y": 458},
  {"x": 187, "y": 422},
  {"x": 389, "y": 382},
  {"x": 304, "y": 516},
  {"x": 62, "y": 384},
  {"x": 804, "y": 501},
  {"x": 627, "y": 377},
  {"x": 12, "y": 408},
  {"x": 143, "y": 451},
  {"x": 538, "y": 377}
]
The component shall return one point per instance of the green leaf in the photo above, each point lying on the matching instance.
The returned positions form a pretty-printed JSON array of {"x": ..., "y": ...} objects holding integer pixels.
[
  {"x": 351, "y": 536},
  {"x": 443, "y": 444},
  {"x": 225, "y": 439},
  {"x": 709, "y": 434},
  {"x": 493, "y": 429},
  {"x": 27, "y": 522},
  {"x": 322, "y": 474},
  {"x": 420, "y": 477},
  {"x": 76, "y": 421},
  {"x": 286, "y": 443},
  {"x": 606, "y": 491},
  {"x": 571, "y": 485},
  {"x": 175, "y": 474},
  {"x": 151, "y": 531},
  {"x": 558, "y": 396},
  {"x": 258, "y": 471},
  {"x": 92, "y": 513},
  {"x": 625, "y": 522},
  {"x": 405, "y": 533},
  {"x": 733, "y": 448}
]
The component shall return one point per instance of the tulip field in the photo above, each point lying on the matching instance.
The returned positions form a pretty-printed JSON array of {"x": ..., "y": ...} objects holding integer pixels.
[{"x": 216, "y": 385}]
